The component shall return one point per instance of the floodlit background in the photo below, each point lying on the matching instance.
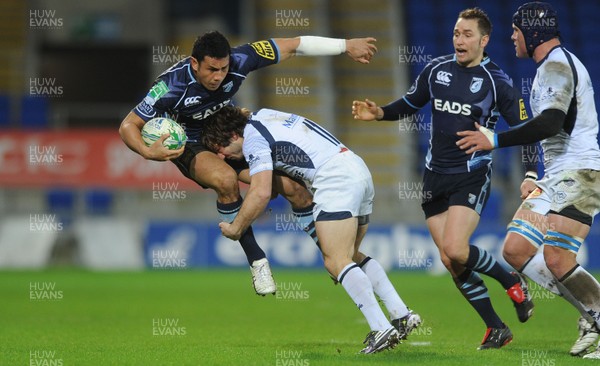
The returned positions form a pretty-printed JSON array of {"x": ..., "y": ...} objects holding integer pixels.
[{"x": 72, "y": 194}]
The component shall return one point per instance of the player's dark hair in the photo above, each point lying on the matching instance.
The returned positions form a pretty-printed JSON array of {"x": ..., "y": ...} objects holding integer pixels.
[
  {"x": 483, "y": 21},
  {"x": 218, "y": 129},
  {"x": 211, "y": 44}
]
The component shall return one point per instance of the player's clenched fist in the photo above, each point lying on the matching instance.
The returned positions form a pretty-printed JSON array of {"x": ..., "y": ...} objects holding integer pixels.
[
  {"x": 361, "y": 49},
  {"x": 366, "y": 111}
]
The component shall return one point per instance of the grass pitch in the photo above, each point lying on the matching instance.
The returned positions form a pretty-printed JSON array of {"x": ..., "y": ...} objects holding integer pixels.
[{"x": 213, "y": 317}]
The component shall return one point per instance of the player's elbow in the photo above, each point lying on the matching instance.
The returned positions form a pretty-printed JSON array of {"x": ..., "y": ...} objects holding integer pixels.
[
  {"x": 122, "y": 128},
  {"x": 130, "y": 121}
]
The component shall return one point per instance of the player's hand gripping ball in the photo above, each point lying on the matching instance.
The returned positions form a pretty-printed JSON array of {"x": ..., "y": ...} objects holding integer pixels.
[{"x": 159, "y": 126}]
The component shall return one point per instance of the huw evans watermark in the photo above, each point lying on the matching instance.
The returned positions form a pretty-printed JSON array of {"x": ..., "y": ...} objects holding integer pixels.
[
  {"x": 167, "y": 327},
  {"x": 167, "y": 191},
  {"x": 44, "y": 358},
  {"x": 44, "y": 19},
  {"x": 290, "y": 358},
  {"x": 44, "y": 291},
  {"x": 168, "y": 259},
  {"x": 291, "y": 291},
  {"x": 291, "y": 19}
]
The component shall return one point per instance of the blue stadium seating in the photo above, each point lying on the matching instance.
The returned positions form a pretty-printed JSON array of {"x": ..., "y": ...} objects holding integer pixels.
[
  {"x": 35, "y": 112},
  {"x": 4, "y": 110},
  {"x": 98, "y": 201},
  {"x": 62, "y": 202}
]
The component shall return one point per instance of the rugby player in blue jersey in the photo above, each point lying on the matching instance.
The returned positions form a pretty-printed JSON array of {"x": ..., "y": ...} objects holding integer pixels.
[
  {"x": 462, "y": 87},
  {"x": 200, "y": 85}
]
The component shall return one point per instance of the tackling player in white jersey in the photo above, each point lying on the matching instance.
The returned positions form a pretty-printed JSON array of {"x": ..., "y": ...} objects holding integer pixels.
[
  {"x": 559, "y": 209},
  {"x": 199, "y": 86},
  {"x": 343, "y": 195}
]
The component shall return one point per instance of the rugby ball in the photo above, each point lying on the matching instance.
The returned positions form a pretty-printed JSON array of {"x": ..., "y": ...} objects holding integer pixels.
[{"x": 159, "y": 126}]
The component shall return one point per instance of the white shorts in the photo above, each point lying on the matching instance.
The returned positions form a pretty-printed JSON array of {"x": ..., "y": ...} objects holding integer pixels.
[
  {"x": 342, "y": 188},
  {"x": 568, "y": 189}
]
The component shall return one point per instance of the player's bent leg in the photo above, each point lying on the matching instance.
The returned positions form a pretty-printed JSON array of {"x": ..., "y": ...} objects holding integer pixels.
[
  {"x": 521, "y": 243},
  {"x": 560, "y": 251},
  {"x": 402, "y": 318},
  {"x": 521, "y": 250},
  {"x": 337, "y": 243},
  {"x": 436, "y": 225},
  {"x": 460, "y": 223},
  {"x": 210, "y": 171},
  {"x": 292, "y": 190},
  {"x": 337, "y": 238},
  {"x": 471, "y": 286}
]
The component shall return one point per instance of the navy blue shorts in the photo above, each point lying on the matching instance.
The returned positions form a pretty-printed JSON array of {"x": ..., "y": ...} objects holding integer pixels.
[
  {"x": 441, "y": 191},
  {"x": 191, "y": 149}
]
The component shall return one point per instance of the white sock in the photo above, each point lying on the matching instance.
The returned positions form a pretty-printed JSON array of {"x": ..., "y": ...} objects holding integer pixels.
[
  {"x": 585, "y": 288},
  {"x": 384, "y": 289},
  {"x": 538, "y": 272},
  {"x": 357, "y": 285}
]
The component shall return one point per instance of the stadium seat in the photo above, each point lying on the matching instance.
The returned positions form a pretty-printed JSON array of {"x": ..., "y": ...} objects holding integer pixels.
[
  {"x": 62, "y": 202},
  {"x": 34, "y": 112},
  {"x": 4, "y": 110},
  {"x": 98, "y": 201}
]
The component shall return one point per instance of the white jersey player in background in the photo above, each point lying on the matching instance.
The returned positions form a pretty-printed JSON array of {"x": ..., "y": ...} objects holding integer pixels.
[
  {"x": 343, "y": 195},
  {"x": 559, "y": 209}
]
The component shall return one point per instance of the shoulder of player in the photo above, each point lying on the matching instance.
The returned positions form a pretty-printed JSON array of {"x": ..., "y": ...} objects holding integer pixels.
[
  {"x": 241, "y": 53},
  {"x": 177, "y": 77},
  {"x": 252, "y": 138},
  {"x": 446, "y": 59},
  {"x": 496, "y": 72},
  {"x": 182, "y": 70},
  {"x": 555, "y": 60}
]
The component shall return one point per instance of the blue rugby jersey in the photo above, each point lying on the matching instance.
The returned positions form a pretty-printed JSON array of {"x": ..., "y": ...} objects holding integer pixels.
[
  {"x": 459, "y": 97},
  {"x": 177, "y": 94}
]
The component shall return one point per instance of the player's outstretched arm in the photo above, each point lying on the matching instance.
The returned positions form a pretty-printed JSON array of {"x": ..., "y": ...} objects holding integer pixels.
[
  {"x": 358, "y": 49},
  {"x": 546, "y": 124},
  {"x": 366, "y": 111},
  {"x": 131, "y": 134},
  {"x": 255, "y": 202}
]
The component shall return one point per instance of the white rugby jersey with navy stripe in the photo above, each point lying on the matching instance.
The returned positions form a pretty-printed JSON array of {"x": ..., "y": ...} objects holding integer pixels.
[
  {"x": 287, "y": 142},
  {"x": 576, "y": 145}
]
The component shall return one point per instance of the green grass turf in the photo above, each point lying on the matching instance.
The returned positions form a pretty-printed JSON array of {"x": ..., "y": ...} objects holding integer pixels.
[{"x": 106, "y": 318}]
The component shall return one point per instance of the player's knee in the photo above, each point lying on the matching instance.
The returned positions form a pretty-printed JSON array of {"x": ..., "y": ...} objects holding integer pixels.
[
  {"x": 447, "y": 262},
  {"x": 335, "y": 265},
  {"x": 300, "y": 198},
  {"x": 295, "y": 193},
  {"x": 225, "y": 184},
  {"x": 358, "y": 257},
  {"x": 332, "y": 266},
  {"x": 511, "y": 252},
  {"x": 456, "y": 252},
  {"x": 552, "y": 261},
  {"x": 556, "y": 259}
]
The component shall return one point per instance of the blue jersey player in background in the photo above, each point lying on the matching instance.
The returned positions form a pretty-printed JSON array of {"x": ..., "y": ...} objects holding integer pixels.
[
  {"x": 463, "y": 87},
  {"x": 198, "y": 87}
]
